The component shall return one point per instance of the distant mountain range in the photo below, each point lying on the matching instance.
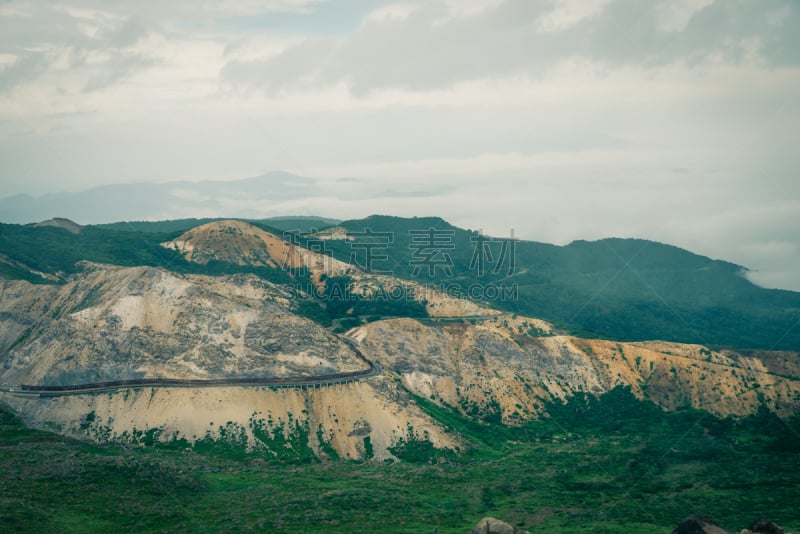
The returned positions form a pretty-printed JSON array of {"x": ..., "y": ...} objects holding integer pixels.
[{"x": 252, "y": 198}]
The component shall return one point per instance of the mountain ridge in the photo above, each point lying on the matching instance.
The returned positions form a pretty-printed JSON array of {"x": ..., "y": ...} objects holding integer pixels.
[
  {"x": 613, "y": 288},
  {"x": 110, "y": 322},
  {"x": 147, "y": 200},
  {"x": 126, "y": 322}
]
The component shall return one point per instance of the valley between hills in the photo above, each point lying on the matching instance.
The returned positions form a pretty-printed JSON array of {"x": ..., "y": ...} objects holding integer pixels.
[{"x": 234, "y": 342}]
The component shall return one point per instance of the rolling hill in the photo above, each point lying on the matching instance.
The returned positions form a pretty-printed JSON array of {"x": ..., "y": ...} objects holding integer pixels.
[
  {"x": 619, "y": 289},
  {"x": 229, "y": 373}
]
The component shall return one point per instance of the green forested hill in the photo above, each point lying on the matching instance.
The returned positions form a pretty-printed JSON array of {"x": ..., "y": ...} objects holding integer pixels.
[
  {"x": 302, "y": 224},
  {"x": 625, "y": 289},
  {"x": 56, "y": 251}
]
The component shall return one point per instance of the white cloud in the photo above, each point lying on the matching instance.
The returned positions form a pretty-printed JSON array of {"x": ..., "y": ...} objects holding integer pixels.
[
  {"x": 191, "y": 9},
  {"x": 390, "y": 12},
  {"x": 563, "y": 119},
  {"x": 674, "y": 15},
  {"x": 567, "y": 13},
  {"x": 425, "y": 46}
]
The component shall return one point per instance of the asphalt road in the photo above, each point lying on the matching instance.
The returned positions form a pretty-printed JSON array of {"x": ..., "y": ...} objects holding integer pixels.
[{"x": 373, "y": 369}]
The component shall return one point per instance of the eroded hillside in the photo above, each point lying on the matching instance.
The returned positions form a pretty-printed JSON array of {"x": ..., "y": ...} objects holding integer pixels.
[
  {"x": 110, "y": 323},
  {"x": 509, "y": 368},
  {"x": 240, "y": 243},
  {"x": 114, "y": 323}
]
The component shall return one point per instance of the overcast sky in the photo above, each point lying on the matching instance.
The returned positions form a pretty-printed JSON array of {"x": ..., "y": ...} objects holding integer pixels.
[{"x": 672, "y": 120}]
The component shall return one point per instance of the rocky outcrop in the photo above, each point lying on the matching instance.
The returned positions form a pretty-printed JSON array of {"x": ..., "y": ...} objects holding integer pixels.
[
  {"x": 240, "y": 243},
  {"x": 699, "y": 524},
  {"x": 490, "y": 525},
  {"x": 111, "y": 323},
  {"x": 361, "y": 420},
  {"x": 61, "y": 222},
  {"x": 508, "y": 367}
]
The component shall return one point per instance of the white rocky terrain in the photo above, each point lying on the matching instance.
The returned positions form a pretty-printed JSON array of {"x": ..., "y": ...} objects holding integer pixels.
[
  {"x": 242, "y": 243},
  {"x": 238, "y": 242},
  {"x": 110, "y": 323},
  {"x": 513, "y": 366},
  {"x": 113, "y": 323}
]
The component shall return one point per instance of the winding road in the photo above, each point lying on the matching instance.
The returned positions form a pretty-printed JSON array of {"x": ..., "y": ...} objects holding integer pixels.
[{"x": 306, "y": 382}]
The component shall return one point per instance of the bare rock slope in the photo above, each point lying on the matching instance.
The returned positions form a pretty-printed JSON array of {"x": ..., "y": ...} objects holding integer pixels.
[
  {"x": 513, "y": 366},
  {"x": 241, "y": 243},
  {"x": 112, "y": 323}
]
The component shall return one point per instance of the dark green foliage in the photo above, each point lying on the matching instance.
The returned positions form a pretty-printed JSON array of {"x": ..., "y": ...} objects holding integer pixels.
[
  {"x": 311, "y": 309},
  {"x": 617, "y": 410},
  {"x": 341, "y": 301},
  {"x": 295, "y": 224},
  {"x": 338, "y": 297},
  {"x": 52, "y": 483},
  {"x": 282, "y": 224},
  {"x": 419, "y": 450},
  {"x": 612, "y": 464},
  {"x": 623, "y": 289},
  {"x": 346, "y": 323},
  {"x": 399, "y": 251},
  {"x": 16, "y": 272},
  {"x": 156, "y": 227},
  {"x": 285, "y": 442},
  {"x": 369, "y": 453},
  {"x": 88, "y": 420},
  {"x": 478, "y": 433},
  {"x": 378, "y": 307},
  {"x": 55, "y": 250},
  {"x": 231, "y": 443},
  {"x": 91, "y": 298},
  {"x": 325, "y": 445}
]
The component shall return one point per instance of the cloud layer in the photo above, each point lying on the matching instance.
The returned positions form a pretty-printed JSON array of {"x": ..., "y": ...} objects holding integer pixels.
[{"x": 563, "y": 119}]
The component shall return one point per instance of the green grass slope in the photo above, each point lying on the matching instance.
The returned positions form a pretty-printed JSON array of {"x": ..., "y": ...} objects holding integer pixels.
[{"x": 613, "y": 465}]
